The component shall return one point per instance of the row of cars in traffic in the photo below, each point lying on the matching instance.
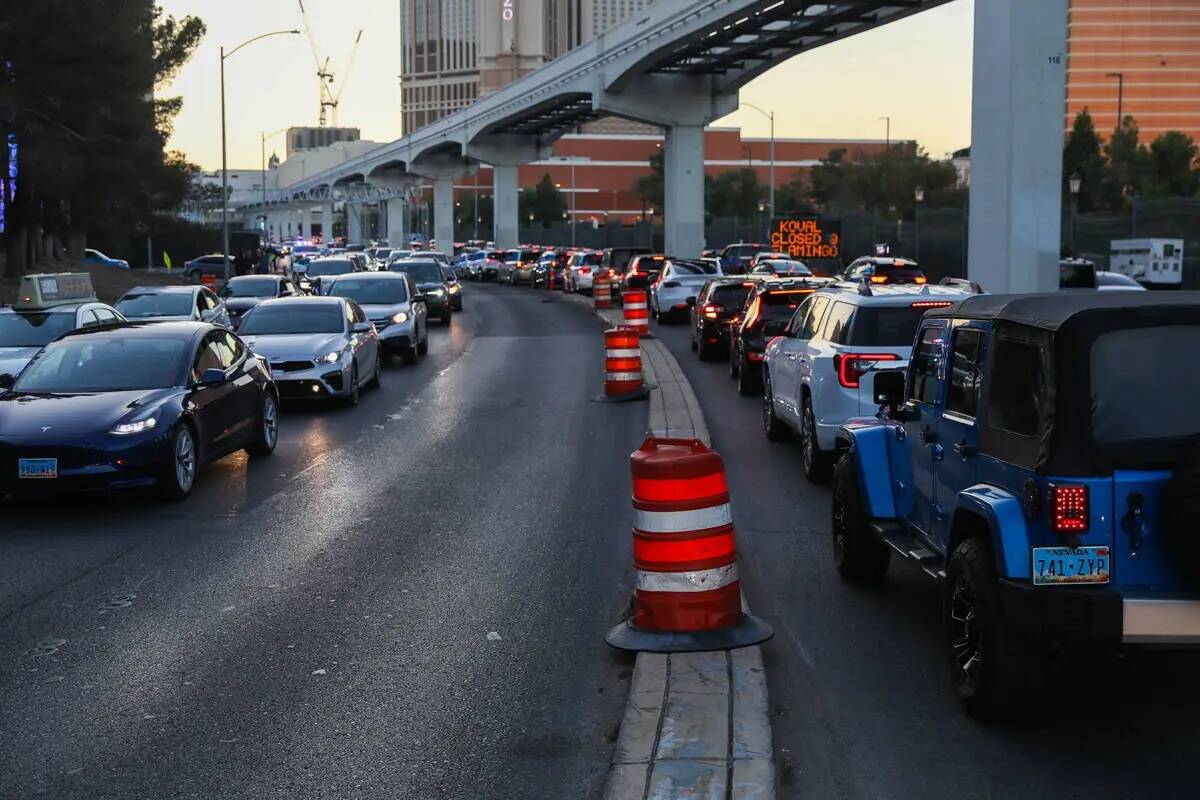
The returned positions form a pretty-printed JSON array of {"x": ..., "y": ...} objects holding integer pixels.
[
  {"x": 142, "y": 393},
  {"x": 1026, "y": 452}
]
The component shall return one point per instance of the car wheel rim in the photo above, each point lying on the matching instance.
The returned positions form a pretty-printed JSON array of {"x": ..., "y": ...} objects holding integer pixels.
[
  {"x": 270, "y": 422},
  {"x": 964, "y": 632},
  {"x": 185, "y": 461}
]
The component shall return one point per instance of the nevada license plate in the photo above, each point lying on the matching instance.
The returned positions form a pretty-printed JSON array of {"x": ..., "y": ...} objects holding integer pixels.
[
  {"x": 1069, "y": 565},
  {"x": 37, "y": 468}
]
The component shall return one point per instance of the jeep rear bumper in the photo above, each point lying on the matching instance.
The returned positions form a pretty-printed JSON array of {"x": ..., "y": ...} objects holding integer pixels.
[{"x": 1099, "y": 615}]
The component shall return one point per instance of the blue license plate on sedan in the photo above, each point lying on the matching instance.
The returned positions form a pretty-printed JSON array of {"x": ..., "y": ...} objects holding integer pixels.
[
  {"x": 1054, "y": 566},
  {"x": 37, "y": 468}
]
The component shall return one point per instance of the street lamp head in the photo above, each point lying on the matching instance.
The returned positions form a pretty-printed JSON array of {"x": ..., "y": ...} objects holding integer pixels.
[
  {"x": 919, "y": 194},
  {"x": 1075, "y": 182}
]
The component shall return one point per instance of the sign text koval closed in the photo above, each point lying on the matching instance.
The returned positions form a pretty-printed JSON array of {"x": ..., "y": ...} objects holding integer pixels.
[{"x": 807, "y": 237}]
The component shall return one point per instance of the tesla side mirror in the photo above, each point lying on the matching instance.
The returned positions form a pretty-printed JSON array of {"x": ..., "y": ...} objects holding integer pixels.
[
  {"x": 212, "y": 377},
  {"x": 361, "y": 327},
  {"x": 691, "y": 302},
  {"x": 6, "y": 381},
  {"x": 889, "y": 388}
]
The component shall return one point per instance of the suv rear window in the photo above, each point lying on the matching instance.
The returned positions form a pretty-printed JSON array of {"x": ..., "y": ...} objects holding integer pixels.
[
  {"x": 1122, "y": 409},
  {"x": 884, "y": 326},
  {"x": 732, "y": 296}
]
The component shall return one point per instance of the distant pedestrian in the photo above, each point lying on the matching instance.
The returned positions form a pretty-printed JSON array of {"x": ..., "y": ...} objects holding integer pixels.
[{"x": 264, "y": 262}]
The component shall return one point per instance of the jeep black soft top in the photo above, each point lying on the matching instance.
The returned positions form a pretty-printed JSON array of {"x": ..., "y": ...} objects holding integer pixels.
[{"x": 1047, "y": 410}]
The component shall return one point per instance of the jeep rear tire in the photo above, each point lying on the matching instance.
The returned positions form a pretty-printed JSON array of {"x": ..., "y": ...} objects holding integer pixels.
[
  {"x": 860, "y": 557},
  {"x": 997, "y": 671}
]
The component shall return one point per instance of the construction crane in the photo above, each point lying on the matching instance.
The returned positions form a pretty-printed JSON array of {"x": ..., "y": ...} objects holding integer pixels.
[{"x": 329, "y": 99}]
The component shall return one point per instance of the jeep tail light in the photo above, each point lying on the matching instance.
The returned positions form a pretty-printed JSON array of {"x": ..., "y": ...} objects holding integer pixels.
[
  {"x": 711, "y": 310},
  {"x": 851, "y": 366},
  {"x": 1069, "y": 509}
]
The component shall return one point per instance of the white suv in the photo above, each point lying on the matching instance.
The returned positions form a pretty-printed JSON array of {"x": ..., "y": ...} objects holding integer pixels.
[{"x": 821, "y": 370}]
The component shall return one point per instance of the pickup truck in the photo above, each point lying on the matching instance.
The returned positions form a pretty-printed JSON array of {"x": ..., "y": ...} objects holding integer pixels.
[{"x": 1040, "y": 457}]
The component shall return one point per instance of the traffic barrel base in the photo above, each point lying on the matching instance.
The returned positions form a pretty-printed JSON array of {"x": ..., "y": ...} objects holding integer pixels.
[
  {"x": 749, "y": 631},
  {"x": 688, "y": 595}
]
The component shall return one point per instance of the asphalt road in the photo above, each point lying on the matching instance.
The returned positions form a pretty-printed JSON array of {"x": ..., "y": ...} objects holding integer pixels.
[
  {"x": 407, "y": 600},
  {"x": 863, "y": 706}
]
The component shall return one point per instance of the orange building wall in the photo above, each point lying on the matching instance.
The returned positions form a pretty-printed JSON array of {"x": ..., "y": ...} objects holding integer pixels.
[
  {"x": 1155, "y": 44},
  {"x": 608, "y": 165}
]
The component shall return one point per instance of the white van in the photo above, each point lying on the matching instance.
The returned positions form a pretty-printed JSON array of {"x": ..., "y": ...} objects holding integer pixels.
[{"x": 1153, "y": 262}]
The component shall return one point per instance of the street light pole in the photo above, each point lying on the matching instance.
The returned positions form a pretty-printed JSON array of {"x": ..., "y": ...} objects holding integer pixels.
[
  {"x": 1120, "y": 76},
  {"x": 574, "y": 207},
  {"x": 888, "y": 141},
  {"x": 224, "y": 152},
  {"x": 770, "y": 115},
  {"x": 919, "y": 197}
]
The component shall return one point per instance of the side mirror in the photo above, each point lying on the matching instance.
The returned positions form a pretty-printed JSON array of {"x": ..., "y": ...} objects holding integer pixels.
[
  {"x": 207, "y": 315},
  {"x": 361, "y": 327},
  {"x": 212, "y": 377},
  {"x": 691, "y": 302},
  {"x": 7, "y": 380},
  {"x": 889, "y": 388}
]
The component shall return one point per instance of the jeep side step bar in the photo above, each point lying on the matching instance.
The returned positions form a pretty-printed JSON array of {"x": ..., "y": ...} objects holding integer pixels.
[{"x": 897, "y": 537}]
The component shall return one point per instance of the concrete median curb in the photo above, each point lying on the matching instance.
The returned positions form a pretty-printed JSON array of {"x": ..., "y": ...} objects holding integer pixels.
[{"x": 696, "y": 725}]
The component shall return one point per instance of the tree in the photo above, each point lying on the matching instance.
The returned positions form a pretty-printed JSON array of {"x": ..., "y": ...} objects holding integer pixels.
[
  {"x": 1171, "y": 168},
  {"x": 544, "y": 201},
  {"x": 649, "y": 188},
  {"x": 884, "y": 182},
  {"x": 1126, "y": 164},
  {"x": 1081, "y": 156},
  {"x": 734, "y": 193}
]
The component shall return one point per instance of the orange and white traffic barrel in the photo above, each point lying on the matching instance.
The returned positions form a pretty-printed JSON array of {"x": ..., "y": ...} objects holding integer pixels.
[
  {"x": 687, "y": 596},
  {"x": 622, "y": 365},
  {"x": 602, "y": 293},
  {"x": 636, "y": 314}
]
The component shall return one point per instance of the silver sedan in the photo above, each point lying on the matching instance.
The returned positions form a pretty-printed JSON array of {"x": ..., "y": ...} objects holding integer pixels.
[{"x": 317, "y": 347}]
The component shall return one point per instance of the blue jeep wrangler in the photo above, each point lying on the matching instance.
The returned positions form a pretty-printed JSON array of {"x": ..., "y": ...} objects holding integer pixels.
[{"x": 1041, "y": 457}]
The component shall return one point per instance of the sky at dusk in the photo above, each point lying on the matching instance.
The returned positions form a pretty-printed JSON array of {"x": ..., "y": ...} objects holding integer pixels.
[{"x": 917, "y": 71}]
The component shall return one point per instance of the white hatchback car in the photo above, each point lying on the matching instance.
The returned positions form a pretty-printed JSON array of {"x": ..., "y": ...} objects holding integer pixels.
[
  {"x": 680, "y": 281},
  {"x": 820, "y": 371}
]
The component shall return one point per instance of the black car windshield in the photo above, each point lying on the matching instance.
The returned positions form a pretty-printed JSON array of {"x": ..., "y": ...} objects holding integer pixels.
[
  {"x": 365, "y": 291},
  {"x": 251, "y": 287},
  {"x": 694, "y": 268},
  {"x": 420, "y": 271},
  {"x": 330, "y": 266},
  {"x": 268, "y": 319},
  {"x": 108, "y": 364},
  {"x": 885, "y": 326},
  {"x": 156, "y": 304},
  {"x": 34, "y": 329}
]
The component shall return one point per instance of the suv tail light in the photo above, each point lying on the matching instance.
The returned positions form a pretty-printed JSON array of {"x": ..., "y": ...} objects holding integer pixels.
[
  {"x": 585, "y": 270},
  {"x": 851, "y": 366},
  {"x": 1069, "y": 508},
  {"x": 711, "y": 310}
]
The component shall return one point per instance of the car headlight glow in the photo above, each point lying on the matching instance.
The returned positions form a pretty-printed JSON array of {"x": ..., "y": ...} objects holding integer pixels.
[
  {"x": 400, "y": 317},
  {"x": 137, "y": 426},
  {"x": 437, "y": 292},
  {"x": 455, "y": 289},
  {"x": 328, "y": 358}
]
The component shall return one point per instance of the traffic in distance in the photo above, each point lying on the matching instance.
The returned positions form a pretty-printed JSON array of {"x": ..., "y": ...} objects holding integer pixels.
[{"x": 976, "y": 435}]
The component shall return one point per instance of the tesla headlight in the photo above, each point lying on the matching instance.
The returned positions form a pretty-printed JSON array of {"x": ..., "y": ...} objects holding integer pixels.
[
  {"x": 454, "y": 288},
  {"x": 437, "y": 292},
  {"x": 137, "y": 426},
  {"x": 328, "y": 358},
  {"x": 400, "y": 317}
]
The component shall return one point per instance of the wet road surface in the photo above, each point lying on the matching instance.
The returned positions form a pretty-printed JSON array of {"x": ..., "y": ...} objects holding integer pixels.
[{"x": 407, "y": 600}]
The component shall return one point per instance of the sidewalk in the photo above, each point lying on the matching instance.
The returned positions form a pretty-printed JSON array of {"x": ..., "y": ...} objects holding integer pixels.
[{"x": 697, "y": 725}]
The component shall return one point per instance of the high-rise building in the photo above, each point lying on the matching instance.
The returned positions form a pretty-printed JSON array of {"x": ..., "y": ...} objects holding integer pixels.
[{"x": 1143, "y": 55}]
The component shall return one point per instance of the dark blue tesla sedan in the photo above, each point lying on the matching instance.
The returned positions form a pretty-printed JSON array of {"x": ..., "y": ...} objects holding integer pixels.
[{"x": 133, "y": 405}]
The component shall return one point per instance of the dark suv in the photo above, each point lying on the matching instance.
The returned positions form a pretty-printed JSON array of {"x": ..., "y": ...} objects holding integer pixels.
[
  {"x": 715, "y": 305},
  {"x": 1040, "y": 461},
  {"x": 769, "y": 307}
]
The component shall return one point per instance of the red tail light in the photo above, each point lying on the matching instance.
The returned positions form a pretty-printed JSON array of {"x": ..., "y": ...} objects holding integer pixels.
[
  {"x": 851, "y": 366},
  {"x": 711, "y": 310},
  {"x": 1069, "y": 509},
  {"x": 585, "y": 270}
]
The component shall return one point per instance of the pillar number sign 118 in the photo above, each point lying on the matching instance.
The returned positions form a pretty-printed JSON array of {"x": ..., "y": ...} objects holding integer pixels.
[{"x": 506, "y": 12}]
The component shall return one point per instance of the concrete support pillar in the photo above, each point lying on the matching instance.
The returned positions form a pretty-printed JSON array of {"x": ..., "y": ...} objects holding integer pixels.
[
  {"x": 326, "y": 222},
  {"x": 1016, "y": 144},
  {"x": 505, "y": 211},
  {"x": 397, "y": 222},
  {"x": 443, "y": 214},
  {"x": 302, "y": 223},
  {"x": 683, "y": 190},
  {"x": 354, "y": 232}
]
